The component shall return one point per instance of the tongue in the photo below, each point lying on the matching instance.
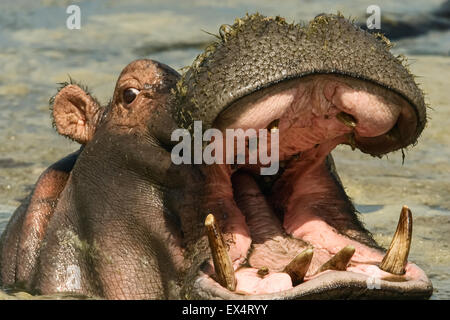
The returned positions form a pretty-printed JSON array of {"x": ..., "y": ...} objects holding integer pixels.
[{"x": 272, "y": 248}]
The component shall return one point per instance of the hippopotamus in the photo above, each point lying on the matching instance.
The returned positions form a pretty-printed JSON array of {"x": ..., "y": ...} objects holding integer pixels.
[{"x": 119, "y": 219}]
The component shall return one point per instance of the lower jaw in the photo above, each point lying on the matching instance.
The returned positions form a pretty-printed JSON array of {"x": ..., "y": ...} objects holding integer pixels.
[
  {"x": 300, "y": 229},
  {"x": 328, "y": 285},
  {"x": 362, "y": 277}
]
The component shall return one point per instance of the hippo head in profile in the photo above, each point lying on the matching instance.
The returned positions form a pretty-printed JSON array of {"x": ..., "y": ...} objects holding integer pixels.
[{"x": 120, "y": 219}]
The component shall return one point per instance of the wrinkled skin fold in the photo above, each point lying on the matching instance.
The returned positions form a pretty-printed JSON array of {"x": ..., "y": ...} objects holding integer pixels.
[{"x": 119, "y": 220}]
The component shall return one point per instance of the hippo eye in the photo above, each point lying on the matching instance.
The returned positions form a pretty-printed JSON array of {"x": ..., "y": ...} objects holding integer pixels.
[{"x": 129, "y": 95}]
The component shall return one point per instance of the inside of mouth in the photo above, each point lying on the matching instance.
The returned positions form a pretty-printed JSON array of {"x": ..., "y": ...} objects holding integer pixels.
[{"x": 268, "y": 220}]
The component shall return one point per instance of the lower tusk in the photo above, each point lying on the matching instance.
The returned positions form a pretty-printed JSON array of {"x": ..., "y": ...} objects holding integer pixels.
[
  {"x": 397, "y": 255},
  {"x": 298, "y": 267},
  {"x": 222, "y": 262},
  {"x": 339, "y": 261}
]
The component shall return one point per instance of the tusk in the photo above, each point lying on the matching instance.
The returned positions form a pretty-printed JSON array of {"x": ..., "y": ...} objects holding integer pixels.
[
  {"x": 339, "y": 261},
  {"x": 347, "y": 119},
  {"x": 397, "y": 255},
  {"x": 298, "y": 267},
  {"x": 222, "y": 262},
  {"x": 351, "y": 141}
]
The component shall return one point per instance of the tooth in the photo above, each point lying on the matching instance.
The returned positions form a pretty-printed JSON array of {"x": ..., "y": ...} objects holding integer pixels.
[
  {"x": 346, "y": 119},
  {"x": 222, "y": 262},
  {"x": 273, "y": 125},
  {"x": 298, "y": 267},
  {"x": 397, "y": 255},
  {"x": 339, "y": 261},
  {"x": 263, "y": 271},
  {"x": 351, "y": 141}
]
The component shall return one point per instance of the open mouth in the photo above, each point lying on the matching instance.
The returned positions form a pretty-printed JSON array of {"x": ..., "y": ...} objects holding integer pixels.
[{"x": 295, "y": 234}]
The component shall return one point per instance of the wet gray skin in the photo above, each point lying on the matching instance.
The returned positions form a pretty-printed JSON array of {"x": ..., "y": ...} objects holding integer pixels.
[{"x": 132, "y": 222}]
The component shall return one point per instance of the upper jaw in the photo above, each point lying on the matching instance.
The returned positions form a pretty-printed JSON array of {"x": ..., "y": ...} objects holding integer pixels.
[{"x": 227, "y": 72}]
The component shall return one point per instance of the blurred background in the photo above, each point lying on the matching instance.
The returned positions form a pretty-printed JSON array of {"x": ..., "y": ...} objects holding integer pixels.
[{"x": 37, "y": 51}]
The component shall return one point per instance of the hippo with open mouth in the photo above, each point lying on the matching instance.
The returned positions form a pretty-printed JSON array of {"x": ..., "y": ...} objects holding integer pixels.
[{"x": 119, "y": 219}]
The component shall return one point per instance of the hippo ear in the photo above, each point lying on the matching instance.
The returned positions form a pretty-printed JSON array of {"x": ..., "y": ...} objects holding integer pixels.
[{"x": 75, "y": 113}]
